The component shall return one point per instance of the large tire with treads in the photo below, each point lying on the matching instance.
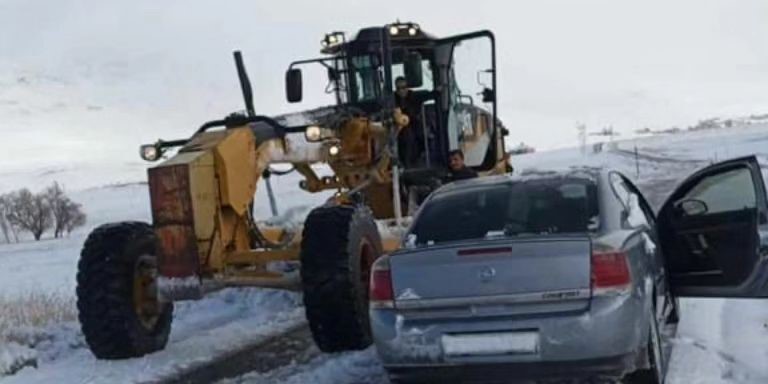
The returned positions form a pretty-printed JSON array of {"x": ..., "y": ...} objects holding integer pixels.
[
  {"x": 120, "y": 313},
  {"x": 339, "y": 244}
]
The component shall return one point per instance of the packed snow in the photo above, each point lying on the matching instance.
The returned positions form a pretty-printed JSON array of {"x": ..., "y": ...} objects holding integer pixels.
[{"x": 718, "y": 341}]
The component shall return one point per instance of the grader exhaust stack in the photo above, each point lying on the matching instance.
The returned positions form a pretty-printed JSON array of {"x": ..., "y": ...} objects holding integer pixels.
[
  {"x": 374, "y": 150},
  {"x": 245, "y": 84}
]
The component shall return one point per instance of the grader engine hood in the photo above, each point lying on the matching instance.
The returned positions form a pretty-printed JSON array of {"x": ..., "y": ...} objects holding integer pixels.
[{"x": 200, "y": 201}]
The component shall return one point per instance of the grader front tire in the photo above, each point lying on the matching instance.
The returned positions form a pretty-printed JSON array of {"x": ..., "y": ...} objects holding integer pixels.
[
  {"x": 119, "y": 311},
  {"x": 338, "y": 248}
]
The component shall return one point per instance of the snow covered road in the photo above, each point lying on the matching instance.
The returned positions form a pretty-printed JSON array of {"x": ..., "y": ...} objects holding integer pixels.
[
  {"x": 718, "y": 342},
  {"x": 222, "y": 322},
  {"x": 721, "y": 341}
]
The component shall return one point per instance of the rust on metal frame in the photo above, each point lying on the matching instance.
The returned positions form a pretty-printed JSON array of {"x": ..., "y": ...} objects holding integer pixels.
[{"x": 174, "y": 220}]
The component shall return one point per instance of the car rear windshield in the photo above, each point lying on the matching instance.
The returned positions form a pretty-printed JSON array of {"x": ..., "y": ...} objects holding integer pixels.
[{"x": 541, "y": 206}]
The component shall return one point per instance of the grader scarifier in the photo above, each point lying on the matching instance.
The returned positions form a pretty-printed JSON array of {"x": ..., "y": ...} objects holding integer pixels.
[{"x": 204, "y": 235}]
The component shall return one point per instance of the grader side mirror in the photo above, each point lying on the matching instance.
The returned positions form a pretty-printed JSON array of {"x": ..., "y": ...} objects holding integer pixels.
[
  {"x": 489, "y": 95},
  {"x": 412, "y": 69},
  {"x": 293, "y": 86},
  {"x": 333, "y": 74}
]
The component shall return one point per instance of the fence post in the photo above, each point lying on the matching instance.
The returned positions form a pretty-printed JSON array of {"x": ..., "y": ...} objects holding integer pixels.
[{"x": 637, "y": 163}]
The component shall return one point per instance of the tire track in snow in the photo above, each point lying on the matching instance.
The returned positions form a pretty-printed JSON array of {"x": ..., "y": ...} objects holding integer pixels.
[
  {"x": 291, "y": 347},
  {"x": 206, "y": 330},
  {"x": 359, "y": 367}
]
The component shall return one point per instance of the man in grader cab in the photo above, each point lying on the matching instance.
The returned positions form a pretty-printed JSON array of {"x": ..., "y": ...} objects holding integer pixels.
[
  {"x": 204, "y": 235},
  {"x": 411, "y": 139}
]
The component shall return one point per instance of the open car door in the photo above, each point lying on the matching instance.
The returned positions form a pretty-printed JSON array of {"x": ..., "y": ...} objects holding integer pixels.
[{"x": 714, "y": 234}]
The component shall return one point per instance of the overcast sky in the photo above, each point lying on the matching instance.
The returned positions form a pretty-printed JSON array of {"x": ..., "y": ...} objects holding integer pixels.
[{"x": 107, "y": 75}]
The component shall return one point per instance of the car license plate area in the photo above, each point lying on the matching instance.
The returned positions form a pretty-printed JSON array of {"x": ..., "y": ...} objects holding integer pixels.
[{"x": 496, "y": 343}]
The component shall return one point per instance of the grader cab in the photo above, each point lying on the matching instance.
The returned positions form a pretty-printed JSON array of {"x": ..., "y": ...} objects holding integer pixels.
[{"x": 204, "y": 235}]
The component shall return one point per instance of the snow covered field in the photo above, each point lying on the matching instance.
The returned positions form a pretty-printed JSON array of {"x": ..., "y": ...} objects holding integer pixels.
[{"x": 719, "y": 341}]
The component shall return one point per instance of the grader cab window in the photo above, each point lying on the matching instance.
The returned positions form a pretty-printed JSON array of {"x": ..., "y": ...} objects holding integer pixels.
[
  {"x": 427, "y": 83},
  {"x": 366, "y": 74}
]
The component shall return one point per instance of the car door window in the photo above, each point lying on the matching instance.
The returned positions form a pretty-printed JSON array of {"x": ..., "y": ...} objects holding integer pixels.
[
  {"x": 709, "y": 231},
  {"x": 723, "y": 192}
]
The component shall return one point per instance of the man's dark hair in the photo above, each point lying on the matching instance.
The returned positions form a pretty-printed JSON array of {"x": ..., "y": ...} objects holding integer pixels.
[
  {"x": 456, "y": 152},
  {"x": 400, "y": 78}
]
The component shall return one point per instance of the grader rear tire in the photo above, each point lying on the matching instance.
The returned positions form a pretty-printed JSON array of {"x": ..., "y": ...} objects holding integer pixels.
[
  {"x": 338, "y": 248},
  {"x": 119, "y": 311}
]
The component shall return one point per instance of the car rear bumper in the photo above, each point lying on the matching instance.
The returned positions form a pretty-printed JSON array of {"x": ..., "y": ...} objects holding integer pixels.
[
  {"x": 606, "y": 367},
  {"x": 605, "y": 338}
]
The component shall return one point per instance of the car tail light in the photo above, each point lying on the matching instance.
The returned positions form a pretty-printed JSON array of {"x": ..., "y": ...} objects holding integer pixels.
[
  {"x": 380, "y": 293},
  {"x": 610, "y": 273}
]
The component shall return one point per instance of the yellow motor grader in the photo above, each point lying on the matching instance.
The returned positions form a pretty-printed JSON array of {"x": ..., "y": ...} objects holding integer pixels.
[{"x": 204, "y": 235}]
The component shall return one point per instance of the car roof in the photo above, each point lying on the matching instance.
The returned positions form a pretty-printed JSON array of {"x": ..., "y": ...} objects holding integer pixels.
[{"x": 594, "y": 174}]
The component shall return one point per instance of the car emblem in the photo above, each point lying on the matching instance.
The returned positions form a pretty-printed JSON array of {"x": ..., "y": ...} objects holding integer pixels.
[{"x": 487, "y": 274}]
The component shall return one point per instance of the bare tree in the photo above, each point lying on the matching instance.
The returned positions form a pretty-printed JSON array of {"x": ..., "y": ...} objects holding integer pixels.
[
  {"x": 58, "y": 203},
  {"x": 30, "y": 212},
  {"x": 76, "y": 218},
  {"x": 4, "y": 225},
  {"x": 67, "y": 214}
]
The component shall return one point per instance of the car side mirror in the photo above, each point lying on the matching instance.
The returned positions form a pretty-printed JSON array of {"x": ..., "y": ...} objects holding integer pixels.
[
  {"x": 692, "y": 207},
  {"x": 293, "y": 86},
  {"x": 412, "y": 69}
]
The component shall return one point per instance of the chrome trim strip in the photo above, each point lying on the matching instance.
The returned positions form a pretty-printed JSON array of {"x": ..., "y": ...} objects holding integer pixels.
[
  {"x": 516, "y": 298},
  {"x": 381, "y": 304}
]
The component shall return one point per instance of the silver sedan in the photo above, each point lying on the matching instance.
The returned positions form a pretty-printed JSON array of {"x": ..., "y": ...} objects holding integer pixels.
[{"x": 565, "y": 275}]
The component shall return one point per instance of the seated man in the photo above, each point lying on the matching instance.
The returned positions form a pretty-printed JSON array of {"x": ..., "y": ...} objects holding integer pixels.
[{"x": 458, "y": 170}]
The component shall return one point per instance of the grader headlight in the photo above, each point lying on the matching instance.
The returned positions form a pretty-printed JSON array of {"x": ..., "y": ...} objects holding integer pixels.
[
  {"x": 400, "y": 29},
  {"x": 313, "y": 133},
  {"x": 150, "y": 152},
  {"x": 333, "y": 39}
]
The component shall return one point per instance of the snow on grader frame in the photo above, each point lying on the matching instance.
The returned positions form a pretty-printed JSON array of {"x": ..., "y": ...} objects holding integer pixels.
[{"x": 204, "y": 236}]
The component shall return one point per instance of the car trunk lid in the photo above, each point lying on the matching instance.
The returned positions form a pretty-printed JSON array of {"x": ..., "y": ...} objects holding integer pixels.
[{"x": 544, "y": 273}]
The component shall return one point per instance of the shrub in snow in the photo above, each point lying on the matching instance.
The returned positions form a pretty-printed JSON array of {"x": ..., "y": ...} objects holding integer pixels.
[
  {"x": 15, "y": 357},
  {"x": 36, "y": 310}
]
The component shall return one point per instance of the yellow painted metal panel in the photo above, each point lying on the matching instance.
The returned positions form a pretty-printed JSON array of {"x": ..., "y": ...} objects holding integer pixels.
[{"x": 236, "y": 169}]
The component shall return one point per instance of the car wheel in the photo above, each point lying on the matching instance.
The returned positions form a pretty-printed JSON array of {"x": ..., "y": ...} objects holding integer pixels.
[{"x": 654, "y": 373}]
